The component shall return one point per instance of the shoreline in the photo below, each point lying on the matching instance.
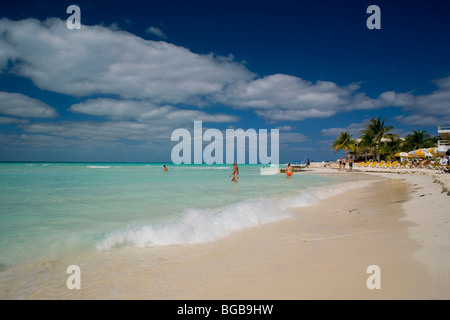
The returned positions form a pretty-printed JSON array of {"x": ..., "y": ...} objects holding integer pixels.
[
  {"x": 441, "y": 178},
  {"x": 322, "y": 252}
]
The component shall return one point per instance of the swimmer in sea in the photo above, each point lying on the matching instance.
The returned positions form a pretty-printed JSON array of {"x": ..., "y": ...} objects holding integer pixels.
[
  {"x": 235, "y": 173},
  {"x": 289, "y": 171},
  {"x": 164, "y": 168}
]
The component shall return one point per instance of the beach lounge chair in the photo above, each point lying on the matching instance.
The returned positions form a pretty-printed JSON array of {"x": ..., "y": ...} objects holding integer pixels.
[
  {"x": 418, "y": 165},
  {"x": 432, "y": 165},
  {"x": 386, "y": 164},
  {"x": 373, "y": 164},
  {"x": 380, "y": 164},
  {"x": 441, "y": 168},
  {"x": 405, "y": 164},
  {"x": 394, "y": 165},
  {"x": 425, "y": 164},
  {"x": 360, "y": 164}
]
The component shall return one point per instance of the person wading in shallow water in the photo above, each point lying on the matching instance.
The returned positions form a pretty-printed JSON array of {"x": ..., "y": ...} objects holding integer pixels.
[
  {"x": 235, "y": 173},
  {"x": 289, "y": 171}
]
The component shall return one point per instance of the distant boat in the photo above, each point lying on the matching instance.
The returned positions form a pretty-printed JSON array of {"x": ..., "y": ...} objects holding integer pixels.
[{"x": 273, "y": 169}]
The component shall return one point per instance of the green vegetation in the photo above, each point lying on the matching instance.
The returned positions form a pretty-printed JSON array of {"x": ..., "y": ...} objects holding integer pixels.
[
  {"x": 344, "y": 141},
  {"x": 377, "y": 141}
]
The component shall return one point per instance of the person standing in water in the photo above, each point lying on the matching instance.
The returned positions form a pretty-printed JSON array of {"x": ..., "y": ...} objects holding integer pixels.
[
  {"x": 289, "y": 170},
  {"x": 164, "y": 168},
  {"x": 235, "y": 173}
]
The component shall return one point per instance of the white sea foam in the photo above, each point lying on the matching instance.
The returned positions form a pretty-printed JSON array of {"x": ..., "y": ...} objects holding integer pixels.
[
  {"x": 99, "y": 167},
  {"x": 199, "y": 226},
  {"x": 206, "y": 168}
]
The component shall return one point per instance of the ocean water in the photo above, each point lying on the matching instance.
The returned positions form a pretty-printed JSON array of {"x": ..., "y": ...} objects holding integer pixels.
[{"x": 51, "y": 210}]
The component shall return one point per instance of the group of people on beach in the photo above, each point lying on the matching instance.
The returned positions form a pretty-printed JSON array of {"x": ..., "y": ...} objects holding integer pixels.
[{"x": 343, "y": 161}]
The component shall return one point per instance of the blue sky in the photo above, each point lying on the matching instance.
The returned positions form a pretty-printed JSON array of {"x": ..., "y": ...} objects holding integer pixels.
[{"x": 116, "y": 89}]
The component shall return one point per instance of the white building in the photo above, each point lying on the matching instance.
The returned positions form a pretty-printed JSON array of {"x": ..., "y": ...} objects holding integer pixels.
[{"x": 444, "y": 132}]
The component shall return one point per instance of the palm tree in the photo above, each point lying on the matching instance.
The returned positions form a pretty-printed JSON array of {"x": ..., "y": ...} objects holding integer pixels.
[
  {"x": 344, "y": 141},
  {"x": 367, "y": 143},
  {"x": 419, "y": 139},
  {"x": 375, "y": 131},
  {"x": 390, "y": 147},
  {"x": 360, "y": 150}
]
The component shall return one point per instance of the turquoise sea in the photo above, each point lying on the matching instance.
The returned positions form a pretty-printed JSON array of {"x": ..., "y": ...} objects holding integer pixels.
[{"x": 51, "y": 210}]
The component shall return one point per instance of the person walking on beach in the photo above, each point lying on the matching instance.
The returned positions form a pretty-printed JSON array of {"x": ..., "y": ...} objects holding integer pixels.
[
  {"x": 350, "y": 163},
  {"x": 289, "y": 170},
  {"x": 343, "y": 163},
  {"x": 340, "y": 163},
  {"x": 235, "y": 173}
]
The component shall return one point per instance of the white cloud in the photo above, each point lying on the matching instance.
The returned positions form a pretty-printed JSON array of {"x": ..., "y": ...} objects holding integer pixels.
[
  {"x": 157, "y": 32},
  {"x": 428, "y": 109},
  {"x": 98, "y": 131},
  {"x": 8, "y": 120},
  {"x": 285, "y": 128},
  {"x": 422, "y": 120},
  {"x": 354, "y": 129},
  {"x": 145, "y": 111},
  {"x": 285, "y": 91},
  {"x": 98, "y": 60},
  {"x": 282, "y": 97},
  {"x": 99, "y": 137},
  {"x": 105, "y": 61},
  {"x": 292, "y": 138},
  {"x": 436, "y": 103},
  {"x": 115, "y": 109},
  {"x": 17, "y": 104},
  {"x": 392, "y": 98}
]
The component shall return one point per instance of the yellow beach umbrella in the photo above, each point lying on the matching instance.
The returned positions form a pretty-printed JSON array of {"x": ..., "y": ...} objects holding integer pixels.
[
  {"x": 418, "y": 153},
  {"x": 402, "y": 154},
  {"x": 430, "y": 152}
]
